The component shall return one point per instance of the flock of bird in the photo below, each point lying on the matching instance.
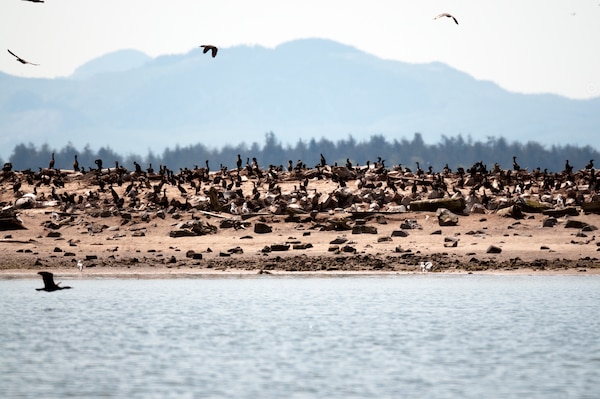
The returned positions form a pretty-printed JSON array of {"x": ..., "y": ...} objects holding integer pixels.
[
  {"x": 206, "y": 47},
  {"x": 251, "y": 189}
]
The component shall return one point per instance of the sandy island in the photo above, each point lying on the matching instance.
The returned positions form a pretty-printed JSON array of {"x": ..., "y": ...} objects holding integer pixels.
[{"x": 327, "y": 220}]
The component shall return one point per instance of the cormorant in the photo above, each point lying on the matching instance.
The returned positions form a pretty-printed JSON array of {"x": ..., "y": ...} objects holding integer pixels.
[
  {"x": 21, "y": 60},
  {"x": 211, "y": 48},
  {"x": 49, "y": 284}
]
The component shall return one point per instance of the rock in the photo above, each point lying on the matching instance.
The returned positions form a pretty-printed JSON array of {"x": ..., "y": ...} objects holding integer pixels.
[
  {"x": 410, "y": 224},
  {"x": 280, "y": 247},
  {"x": 399, "y": 233},
  {"x": 575, "y": 224},
  {"x": 172, "y": 259},
  {"x": 446, "y": 218},
  {"x": 363, "y": 229},
  {"x": 450, "y": 242},
  {"x": 348, "y": 248},
  {"x": 53, "y": 234},
  {"x": 453, "y": 204},
  {"x": 181, "y": 233},
  {"x": 436, "y": 232},
  {"x": 302, "y": 246},
  {"x": 339, "y": 240},
  {"x": 57, "y": 249},
  {"x": 236, "y": 250},
  {"x": 492, "y": 249},
  {"x": 384, "y": 239},
  {"x": 549, "y": 222},
  {"x": 262, "y": 228},
  {"x": 138, "y": 233},
  {"x": 513, "y": 211}
]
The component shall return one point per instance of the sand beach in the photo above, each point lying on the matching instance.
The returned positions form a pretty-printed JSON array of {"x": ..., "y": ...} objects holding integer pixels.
[{"x": 113, "y": 222}]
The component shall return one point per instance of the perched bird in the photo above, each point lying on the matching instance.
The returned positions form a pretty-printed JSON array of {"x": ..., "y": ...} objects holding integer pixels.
[
  {"x": 21, "y": 60},
  {"x": 208, "y": 47},
  {"x": 49, "y": 284},
  {"x": 447, "y": 16},
  {"x": 80, "y": 265}
]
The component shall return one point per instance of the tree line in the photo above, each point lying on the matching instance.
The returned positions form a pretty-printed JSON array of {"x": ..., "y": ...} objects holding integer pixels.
[{"x": 452, "y": 151}]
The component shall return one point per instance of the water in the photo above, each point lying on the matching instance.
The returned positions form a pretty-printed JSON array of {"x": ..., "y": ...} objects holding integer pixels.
[{"x": 413, "y": 336}]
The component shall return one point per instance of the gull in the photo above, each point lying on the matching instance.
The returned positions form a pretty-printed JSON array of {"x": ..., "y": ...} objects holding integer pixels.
[
  {"x": 80, "y": 265},
  {"x": 21, "y": 60},
  {"x": 49, "y": 284},
  {"x": 448, "y": 16},
  {"x": 208, "y": 47}
]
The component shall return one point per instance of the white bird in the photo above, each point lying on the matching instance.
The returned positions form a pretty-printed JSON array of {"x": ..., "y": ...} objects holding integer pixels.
[
  {"x": 426, "y": 266},
  {"x": 80, "y": 265},
  {"x": 245, "y": 209}
]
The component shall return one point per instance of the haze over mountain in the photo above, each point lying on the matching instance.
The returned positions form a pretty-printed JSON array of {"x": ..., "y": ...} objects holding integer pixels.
[{"x": 303, "y": 89}]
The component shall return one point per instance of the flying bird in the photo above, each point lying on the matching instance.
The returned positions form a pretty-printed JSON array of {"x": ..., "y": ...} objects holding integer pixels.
[
  {"x": 21, "y": 60},
  {"x": 49, "y": 284},
  {"x": 211, "y": 48},
  {"x": 447, "y": 16},
  {"x": 35, "y": 1}
]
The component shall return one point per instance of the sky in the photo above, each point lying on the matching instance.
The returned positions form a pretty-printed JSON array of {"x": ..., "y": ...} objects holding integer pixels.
[{"x": 526, "y": 46}]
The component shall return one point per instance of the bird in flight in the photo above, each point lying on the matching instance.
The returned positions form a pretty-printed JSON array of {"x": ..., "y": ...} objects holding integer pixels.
[
  {"x": 208, "y": 47},
  {"x": 447, "y": 16},
  {"x": 35, "y": 1},
  {"x": 21, "y": 60},
  {"x": 49, "y": 284}
]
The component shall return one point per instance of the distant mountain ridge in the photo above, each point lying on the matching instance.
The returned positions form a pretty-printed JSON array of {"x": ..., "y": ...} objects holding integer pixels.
[
  {"x": 302, "y": 89},
  {"x": 118, "y": 61}
]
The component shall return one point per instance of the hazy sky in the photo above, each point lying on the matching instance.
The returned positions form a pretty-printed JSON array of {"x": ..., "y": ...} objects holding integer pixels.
[{"x": 530, "y": 46}]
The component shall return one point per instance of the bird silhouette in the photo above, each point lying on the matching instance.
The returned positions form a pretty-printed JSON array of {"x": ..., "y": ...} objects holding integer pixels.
[
  {"x": 211, "y": 48},
  {"x": 49, "y": 284},
  {"x": 21, "y": 60},
  {"x": 35, "y": 1},
  {"x": 445, "y": 14}
]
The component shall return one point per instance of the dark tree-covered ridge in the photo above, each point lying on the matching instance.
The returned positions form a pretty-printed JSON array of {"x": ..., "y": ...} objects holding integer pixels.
[{"x": 453, "y": 151}]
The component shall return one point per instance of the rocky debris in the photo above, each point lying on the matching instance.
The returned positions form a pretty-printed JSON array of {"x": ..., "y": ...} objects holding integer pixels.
[
  {"x": 193, "y": 228},
  {"x": 446, "y": 217}
]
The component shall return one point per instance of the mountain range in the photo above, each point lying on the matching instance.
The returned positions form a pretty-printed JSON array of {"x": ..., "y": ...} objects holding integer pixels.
[{"x": 303, "y": 89}]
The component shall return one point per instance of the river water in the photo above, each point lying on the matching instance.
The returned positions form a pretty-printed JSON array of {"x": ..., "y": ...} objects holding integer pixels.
[{"x": 406, "y": 336}]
